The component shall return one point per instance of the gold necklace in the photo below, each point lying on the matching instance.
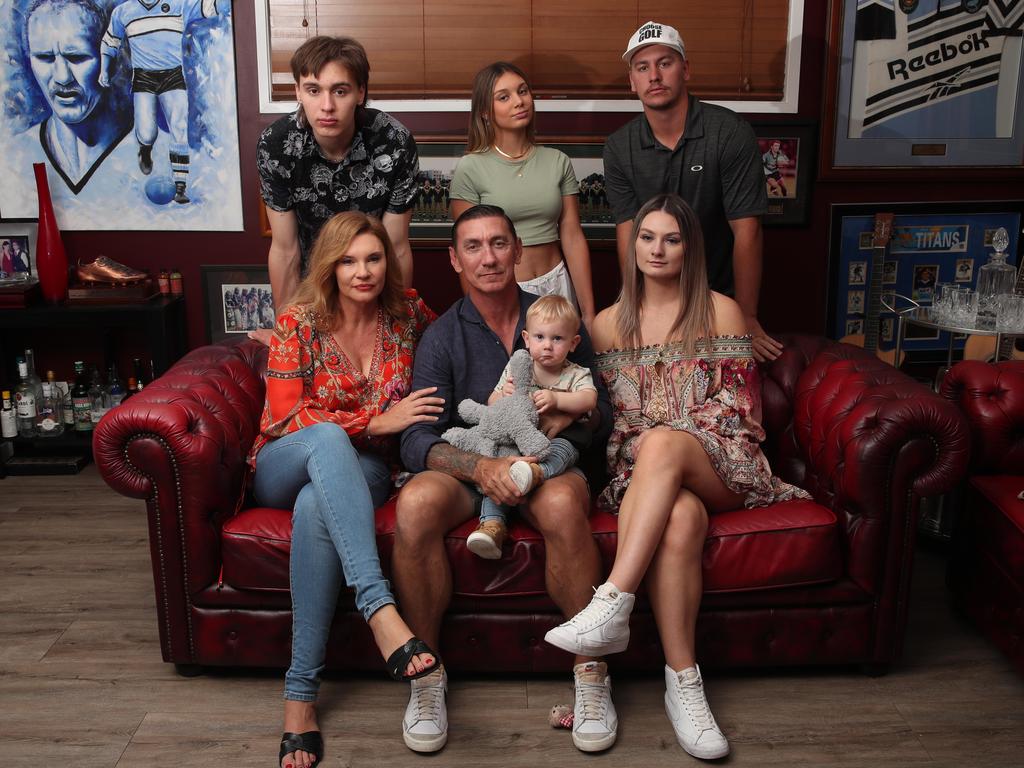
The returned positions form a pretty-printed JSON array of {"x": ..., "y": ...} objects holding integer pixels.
[
  {"x": 515, "y": 158},
  {"x": 506, "y": 155}
]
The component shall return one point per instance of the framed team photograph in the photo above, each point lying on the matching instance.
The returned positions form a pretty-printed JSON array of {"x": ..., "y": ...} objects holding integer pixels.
[
  {"x": 923, "y": 87},
  {"x": 430, "y": 219},
  {"x": 787, "y": 160},
  {"x": 238, "y": 299},
  {"x": 18, "y": 253}
]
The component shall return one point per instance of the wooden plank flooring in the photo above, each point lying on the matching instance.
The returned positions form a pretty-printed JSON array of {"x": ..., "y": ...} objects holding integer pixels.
[{"x": 82, "y": 683}]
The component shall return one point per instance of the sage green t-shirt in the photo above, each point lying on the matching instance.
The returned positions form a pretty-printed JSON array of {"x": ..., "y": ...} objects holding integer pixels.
[{"x": 530, "y": 190}]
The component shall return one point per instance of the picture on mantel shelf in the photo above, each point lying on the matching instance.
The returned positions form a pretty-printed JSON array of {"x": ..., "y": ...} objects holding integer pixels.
[{"x": 130, "y": 105}]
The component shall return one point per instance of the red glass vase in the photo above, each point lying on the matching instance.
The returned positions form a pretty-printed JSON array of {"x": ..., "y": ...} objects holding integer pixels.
[{"x": 51, "y": 258}]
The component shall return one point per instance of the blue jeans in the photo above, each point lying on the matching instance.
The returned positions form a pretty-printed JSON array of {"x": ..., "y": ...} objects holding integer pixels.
[{"x": 333, "y": 490}]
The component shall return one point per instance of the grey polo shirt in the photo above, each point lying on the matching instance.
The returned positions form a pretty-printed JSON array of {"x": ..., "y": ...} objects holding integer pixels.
[
  {"x": 715, "y": 167},
  {"x": 461, "y": 356}
]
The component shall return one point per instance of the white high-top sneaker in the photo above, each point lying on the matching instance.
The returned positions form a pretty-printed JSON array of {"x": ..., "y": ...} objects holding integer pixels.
[
  {"x": 600, "y": 628},
  {"x": 595, "y": 723},
  {"x": 687, "y": 708},
  {"x": 425, "y": 725}
]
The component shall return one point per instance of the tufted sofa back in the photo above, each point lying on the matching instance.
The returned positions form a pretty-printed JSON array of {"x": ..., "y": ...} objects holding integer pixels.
[{"x": 992, "y": 397}]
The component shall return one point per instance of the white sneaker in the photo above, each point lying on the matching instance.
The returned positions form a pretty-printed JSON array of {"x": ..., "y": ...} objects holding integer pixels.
[
  {"x": 687, "y": 708},
  {"x": 425, "y": 725},
  {"x": 595, "y": 724},
  {"x": 600, "y": 628}
]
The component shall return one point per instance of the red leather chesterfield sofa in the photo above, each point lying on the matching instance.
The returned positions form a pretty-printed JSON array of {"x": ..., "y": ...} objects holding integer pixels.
[
  {"x": 798, "y": 583},
  {"x": 986, "y": 571}
]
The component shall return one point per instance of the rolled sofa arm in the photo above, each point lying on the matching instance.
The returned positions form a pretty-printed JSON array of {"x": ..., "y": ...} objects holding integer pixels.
[
  {"x": 875, "y": 442},
  {"x": 180, "y": 445}
]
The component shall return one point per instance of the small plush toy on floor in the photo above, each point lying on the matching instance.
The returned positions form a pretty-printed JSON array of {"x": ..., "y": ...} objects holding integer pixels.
[{"x": 560, "y": 716}]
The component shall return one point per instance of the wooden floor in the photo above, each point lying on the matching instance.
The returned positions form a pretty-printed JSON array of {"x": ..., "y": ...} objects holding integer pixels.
[{"x": 82, "y": 683}]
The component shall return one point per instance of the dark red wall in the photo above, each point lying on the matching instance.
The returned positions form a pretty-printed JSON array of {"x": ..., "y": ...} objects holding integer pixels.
[{"x": 793, "y": 295}]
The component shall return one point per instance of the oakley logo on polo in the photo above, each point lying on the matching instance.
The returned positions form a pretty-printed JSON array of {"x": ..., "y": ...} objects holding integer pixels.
[{"x": 696, "y": 168}]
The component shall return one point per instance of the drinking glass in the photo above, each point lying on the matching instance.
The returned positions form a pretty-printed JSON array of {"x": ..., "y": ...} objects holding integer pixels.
[{"x": 1010, "y": 313}]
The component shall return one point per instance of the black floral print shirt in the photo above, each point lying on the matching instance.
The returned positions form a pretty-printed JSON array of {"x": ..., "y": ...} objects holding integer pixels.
[{"x": 377, "y": 176}]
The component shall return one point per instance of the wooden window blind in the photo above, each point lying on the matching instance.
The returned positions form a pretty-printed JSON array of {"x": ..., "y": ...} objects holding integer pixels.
[{"x": 569, "y": 48}]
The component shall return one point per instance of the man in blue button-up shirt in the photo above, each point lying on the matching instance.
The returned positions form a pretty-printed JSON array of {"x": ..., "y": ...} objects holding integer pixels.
[{"x": 462, "y": 354}]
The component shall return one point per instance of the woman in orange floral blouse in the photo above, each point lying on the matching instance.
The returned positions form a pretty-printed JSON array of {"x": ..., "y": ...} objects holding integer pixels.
[
  {"x": 338, "y": 378},
  {"x": 679, "y": 368}
]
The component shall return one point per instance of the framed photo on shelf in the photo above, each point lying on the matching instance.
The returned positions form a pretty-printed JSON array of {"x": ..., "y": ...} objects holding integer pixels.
[
  {"x": 18, "y": 252},
  {"x": 930, "y": 244},
  {"x": 911, "y": 87},
  {"x": 787, "y": 158},
  {"x": 237, "y": 300},
  {"x": 430, "y": 220},
  {"x": 431, "y": 224}
]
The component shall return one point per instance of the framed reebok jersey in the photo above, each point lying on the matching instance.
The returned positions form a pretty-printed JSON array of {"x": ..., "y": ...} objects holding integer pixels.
[{"x": 928, "y": 84}]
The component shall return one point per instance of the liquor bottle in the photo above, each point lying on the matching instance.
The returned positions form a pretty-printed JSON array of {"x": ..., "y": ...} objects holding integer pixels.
[
  {"x": 99, "y": 401},
  {"x": 80, "y": 399},
  {"x": 164, "y": 281},
  {"x": 33, "y": 377},
  {"x": 140, "y": 382},
  {"x": 67, "y": 406},
  {"x": 8, "y": 419},
  {"x": 25, "y": 402},
  {"x": 132, "y": 388},
  {"x": 48, "y": 419},
  {"x": 115, "y": 389},
  {"x": 995, "y": 279}
]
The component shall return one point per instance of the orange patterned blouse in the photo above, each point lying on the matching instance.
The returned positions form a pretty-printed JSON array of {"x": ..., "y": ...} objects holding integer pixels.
[{"x": 310, "y": 379}]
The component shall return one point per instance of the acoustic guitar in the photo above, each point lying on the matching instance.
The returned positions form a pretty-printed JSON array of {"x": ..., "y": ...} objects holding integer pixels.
[
  {"x": 984, "y": 347},
  {"x": 869, "y": 339}
]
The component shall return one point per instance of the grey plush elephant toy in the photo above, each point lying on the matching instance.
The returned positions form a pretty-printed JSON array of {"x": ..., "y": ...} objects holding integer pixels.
[{"x": 509, "y": 426}]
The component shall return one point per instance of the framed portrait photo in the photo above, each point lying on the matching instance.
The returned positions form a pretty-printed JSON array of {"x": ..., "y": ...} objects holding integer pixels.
[
  {"x": 923, "y": 86},
  {"x": 787, "y": 159},
  {"x": 237, "y": 299},
  {"x": 18, "y": 253}
]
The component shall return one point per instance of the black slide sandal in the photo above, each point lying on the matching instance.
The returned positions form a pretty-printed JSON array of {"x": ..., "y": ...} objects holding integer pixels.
[
  {"x": 310, "y": 741},
  {"x": 399, "y": 660}
]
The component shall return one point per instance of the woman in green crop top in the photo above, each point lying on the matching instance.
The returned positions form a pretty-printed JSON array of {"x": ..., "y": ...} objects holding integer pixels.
[{"x": 535, "y": 185}]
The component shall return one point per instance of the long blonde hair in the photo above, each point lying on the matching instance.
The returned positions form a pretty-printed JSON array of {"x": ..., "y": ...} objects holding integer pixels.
[
  {"x": 481, "y": 114},
  {"x": 318, "y": 291},
  {"x": 696, "y": 311}
]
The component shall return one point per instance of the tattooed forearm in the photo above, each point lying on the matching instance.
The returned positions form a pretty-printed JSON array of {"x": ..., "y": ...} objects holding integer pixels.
[{"x": 444, "y": 457}]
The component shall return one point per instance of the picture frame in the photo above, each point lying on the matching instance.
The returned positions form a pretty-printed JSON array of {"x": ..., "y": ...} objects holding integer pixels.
[
  {"x": 431, "y": 224},
  {"x": 788, "y": 185},
  {"x": 18, "y": 252},
  {"x": 930, "y": 243},
  {"x": 899, "y": 85},
  {"x": 430, "y": 220},
  {"x": 237, "y": 298}
]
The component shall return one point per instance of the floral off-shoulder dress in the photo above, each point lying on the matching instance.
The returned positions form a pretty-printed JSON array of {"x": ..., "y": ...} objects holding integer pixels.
[{"x": 714, "y": 395}]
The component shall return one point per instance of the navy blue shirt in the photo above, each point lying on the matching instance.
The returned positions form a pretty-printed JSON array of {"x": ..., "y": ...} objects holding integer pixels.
[{"x": 461, "y": 356}]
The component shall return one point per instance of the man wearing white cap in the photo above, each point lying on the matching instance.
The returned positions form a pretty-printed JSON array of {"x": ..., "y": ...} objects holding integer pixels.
[{"x": 706, "y": 154}]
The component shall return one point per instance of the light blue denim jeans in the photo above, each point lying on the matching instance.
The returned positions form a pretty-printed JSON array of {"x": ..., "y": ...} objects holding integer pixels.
[{"x": 332, "y": 490}]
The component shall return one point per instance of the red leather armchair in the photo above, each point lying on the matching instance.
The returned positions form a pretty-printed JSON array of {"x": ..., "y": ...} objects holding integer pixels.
[
  {"x": 986, "y": 571},
  {"x": 801, "y": 582}
]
